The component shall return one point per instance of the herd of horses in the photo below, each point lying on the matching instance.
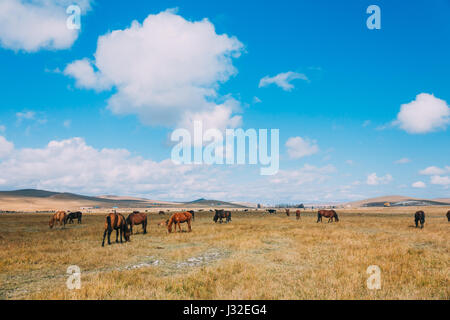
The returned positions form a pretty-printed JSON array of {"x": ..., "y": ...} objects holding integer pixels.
[{"x": 124, "y": 226}]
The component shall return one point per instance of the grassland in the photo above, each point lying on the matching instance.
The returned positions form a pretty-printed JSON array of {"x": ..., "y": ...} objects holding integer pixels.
[{"x": 257, "y": 256}]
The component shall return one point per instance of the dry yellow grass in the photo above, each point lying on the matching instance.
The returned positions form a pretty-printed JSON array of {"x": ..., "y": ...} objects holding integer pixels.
[{"x": 255, "y": 257}]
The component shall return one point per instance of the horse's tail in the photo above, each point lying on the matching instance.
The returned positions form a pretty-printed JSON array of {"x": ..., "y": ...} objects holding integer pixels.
[
  {"x": 336, "y": 216},
  {"x": 108, "y": 222}
]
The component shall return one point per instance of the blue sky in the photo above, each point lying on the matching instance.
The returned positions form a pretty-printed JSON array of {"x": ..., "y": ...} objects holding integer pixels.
[{"x": 347, "y": 135}]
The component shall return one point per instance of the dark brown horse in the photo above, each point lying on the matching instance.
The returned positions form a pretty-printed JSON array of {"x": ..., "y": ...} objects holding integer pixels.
[
  {"x": 222, "y": 214},
  {"x": 330, "y": 214},
  {"x": 58, "y": 218},
  {"x": 193, "y": 214},
  {"x": 137, "y": 218},
  {"x": 179, "y": 218},
  {"x": 116, "y": 221},
  {"x": 297, "y": 214},
  {"x": 74, "y": 215},
  {"x": 448, "y": 215},
  {"x": 419, "y": 216},
  {"x": 288, "y": 213}
]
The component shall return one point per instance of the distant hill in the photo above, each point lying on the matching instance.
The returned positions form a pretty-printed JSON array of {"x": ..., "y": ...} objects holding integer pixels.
[
  {"x": 41, "y": 200},
  {"x": 395, "y": 201},
  {"x": 213, "y": 203}
]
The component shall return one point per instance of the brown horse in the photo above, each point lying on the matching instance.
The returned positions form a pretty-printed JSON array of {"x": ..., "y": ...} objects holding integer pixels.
[
  {"x": 419, "y": 216},
  {"x": 58, "y": 218},
  {"x": 179, "y": 218},
  {"x": 222, "y": 214},
  {"x": 288, "y": 213},
  {"x": 297, "y": 214},
  {"x": 330, "y": 214},
  {"x": 448, "y": 215},
  {"x": 116, "y": 221},
  {"x": 137, "y": 218}
]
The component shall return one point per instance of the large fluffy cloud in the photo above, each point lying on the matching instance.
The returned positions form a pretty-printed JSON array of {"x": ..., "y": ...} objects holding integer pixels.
[
  {"x": 165, "y": 70},
  {"x": 31, "y": 25},
  {"x": 74, "y": 166},
  {"x": 298, "y": 147},
  {"x": 425, "y": 114}
]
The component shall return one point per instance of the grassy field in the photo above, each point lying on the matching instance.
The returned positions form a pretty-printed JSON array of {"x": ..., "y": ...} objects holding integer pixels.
[{"x": 257, "y": 256}]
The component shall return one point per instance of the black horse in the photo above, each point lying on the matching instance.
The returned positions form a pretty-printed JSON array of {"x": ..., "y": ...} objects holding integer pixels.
[
  {"x": 419, "y": 217},
  {"x": 74, "y": 215},
  {"x": 221, "y": 214},
  {"x": 448, "y": 215},
  {"x": 271, "y": 211}
]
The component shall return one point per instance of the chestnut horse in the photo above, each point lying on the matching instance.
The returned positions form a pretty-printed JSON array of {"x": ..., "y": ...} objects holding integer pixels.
[
  {"x": 297, "y": 214},
  {"x": 419, "y": 216},
  {"x": 137, "y": 218},
  {"x": 116, "y": 221},
  {"x": 288, "y": 212},
  {"x": 448, "y": 215},
  {"x": 58, "y": 218},
  {"x": 330, "y": 214},
  {"x": 179, "y": 218}
]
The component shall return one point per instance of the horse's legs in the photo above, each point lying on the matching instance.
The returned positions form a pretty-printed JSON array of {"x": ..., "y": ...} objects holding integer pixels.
[
  {"x": 109, "y": 236},
  {"x": 144, "y": 226},
  {"x": 189, "y": 225},
  {"x": 104, "y": 235},
  {"x": 131, "y": 227},
  {"x": 117, "y": 235},
  {"x": 121, "y": 235}
]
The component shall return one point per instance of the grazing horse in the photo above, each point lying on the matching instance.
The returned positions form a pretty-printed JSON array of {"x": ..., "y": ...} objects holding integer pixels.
[
  {"x": 221, "y": 214},
  {"x": 58, "y": 218},
  {"x": 193, "y": 214},
  {"x": 116, "y": 221},
  {"x": 137, "y": 218},
  {"x": 448, "y": 215},
  {"x": 271, "y": 211},
  {"x": 74, "y": 215},
  {"x": 297, "y": 214},
  {"x": 179, "y": 218},
  {"x": 288, "y": 213},
  {"x": 419, "y": 217},
  {"x": 330, "y": 214}
]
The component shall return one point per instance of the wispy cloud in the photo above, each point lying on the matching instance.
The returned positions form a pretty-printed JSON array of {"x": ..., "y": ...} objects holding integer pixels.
[{"x": 283, "y": 80}]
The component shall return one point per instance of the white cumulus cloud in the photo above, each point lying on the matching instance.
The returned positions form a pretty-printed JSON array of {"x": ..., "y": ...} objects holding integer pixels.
[
  {"x": 425, "y": 114},
  {"x": 164, "y": 70},
  {"x": 440, "y": 180},
  {"x": 373, "y": 179},
  {"x": 282, "y": 80},
  {"x": 433, "y": 170},
  {"x": 298, "y": 147},
  {"x": 419, "y": 184},
  {"x": 5, "y": 147},
  {"x": 31, "y": 25}
]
